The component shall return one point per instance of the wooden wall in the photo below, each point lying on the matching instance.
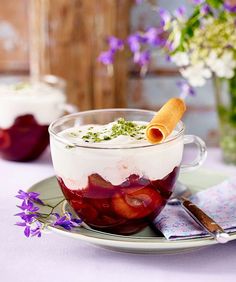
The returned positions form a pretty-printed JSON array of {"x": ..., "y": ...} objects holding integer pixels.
[
  {"x": 64, "y": 38},
  {"x": 14, "y": 45}
]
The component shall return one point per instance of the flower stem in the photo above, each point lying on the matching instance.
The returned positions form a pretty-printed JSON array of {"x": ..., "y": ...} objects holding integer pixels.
[{"x": 46, "y": 215}]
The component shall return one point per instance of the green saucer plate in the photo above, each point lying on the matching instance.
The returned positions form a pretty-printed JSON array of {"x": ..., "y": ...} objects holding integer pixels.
[{"x": 146, "y": 241}]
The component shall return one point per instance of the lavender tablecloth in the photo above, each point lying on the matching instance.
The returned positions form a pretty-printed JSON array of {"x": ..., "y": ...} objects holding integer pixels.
[{"x": 57, "y": 258}]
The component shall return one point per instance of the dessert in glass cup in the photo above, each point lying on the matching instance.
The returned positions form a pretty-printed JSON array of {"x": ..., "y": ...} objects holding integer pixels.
[
  {"x": 114, "y": 179},
  {"x": 26, "y": 110}
]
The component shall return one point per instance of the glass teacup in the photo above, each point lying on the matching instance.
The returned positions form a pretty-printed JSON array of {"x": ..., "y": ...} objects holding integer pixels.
[
  {"x": 26, "y": 110},
  {"x": 118, "y": 189}
]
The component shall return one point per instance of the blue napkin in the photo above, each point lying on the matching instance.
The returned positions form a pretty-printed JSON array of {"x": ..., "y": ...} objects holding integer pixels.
[{"x": 219, "y": 202}]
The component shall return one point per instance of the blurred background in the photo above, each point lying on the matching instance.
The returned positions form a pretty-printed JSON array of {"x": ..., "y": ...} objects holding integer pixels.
[{"x": 64, "y": 38}]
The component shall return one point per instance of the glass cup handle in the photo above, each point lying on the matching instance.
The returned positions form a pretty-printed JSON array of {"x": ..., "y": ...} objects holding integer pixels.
[
  {"x": 69, "y": 108},
  {"x": 202, "y": 153}
]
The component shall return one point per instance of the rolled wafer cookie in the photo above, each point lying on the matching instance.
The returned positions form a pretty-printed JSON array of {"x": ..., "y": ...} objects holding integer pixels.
[{"x": 165, "y": 120}]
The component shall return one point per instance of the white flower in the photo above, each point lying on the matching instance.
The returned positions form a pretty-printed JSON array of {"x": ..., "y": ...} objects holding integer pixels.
[
  {"x": 207, "y": 21},
  {"x": 196, "y": 74},
  {"x": 181, "y": 59},
  {"x": 222, "y": 66}
]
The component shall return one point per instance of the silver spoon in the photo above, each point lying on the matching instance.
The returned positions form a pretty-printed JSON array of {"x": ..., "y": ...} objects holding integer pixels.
[{"x": 180, "y": 195}]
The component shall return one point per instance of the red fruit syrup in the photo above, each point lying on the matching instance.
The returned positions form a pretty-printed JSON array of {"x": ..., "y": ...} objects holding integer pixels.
[
  {"x": 123, "y": 209},
  {"x": 25, "y": 140}
]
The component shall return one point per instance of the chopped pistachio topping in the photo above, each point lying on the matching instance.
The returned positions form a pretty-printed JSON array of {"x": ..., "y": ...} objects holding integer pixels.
[
  {"x": 69, "y": 146},
  {"x": 120, "y": 127},
  {"x": 72, "y": 134}
]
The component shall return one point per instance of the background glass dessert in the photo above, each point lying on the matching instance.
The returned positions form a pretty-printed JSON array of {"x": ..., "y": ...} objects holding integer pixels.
[
  {"x": 26, "y": 110},
  {"x": 120, "y": 184}
]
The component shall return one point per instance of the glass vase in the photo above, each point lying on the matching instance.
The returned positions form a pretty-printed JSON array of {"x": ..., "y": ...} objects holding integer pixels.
[{"x": 225, "y": 92}]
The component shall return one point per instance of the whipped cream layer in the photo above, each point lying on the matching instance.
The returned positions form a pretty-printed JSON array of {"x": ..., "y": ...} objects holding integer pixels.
[
  {"x": 44, "y": 102},
  {"x": 114, "y": 160}
]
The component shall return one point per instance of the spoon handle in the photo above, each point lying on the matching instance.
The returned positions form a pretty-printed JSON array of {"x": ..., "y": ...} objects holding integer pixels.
[{"x": 205, "y": 221}]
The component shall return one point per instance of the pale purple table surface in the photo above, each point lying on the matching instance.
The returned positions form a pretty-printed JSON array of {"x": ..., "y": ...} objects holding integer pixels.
[{"x": 57, "y": 258}]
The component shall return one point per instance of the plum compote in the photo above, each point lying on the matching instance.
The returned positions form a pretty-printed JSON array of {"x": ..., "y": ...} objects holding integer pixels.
[
  {"x": 121, "y": 209},
  {"x": 25, "y": 140}
]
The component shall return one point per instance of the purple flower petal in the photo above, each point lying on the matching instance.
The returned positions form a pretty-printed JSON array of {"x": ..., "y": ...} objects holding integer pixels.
[
  {"x": 27, "y": 197},
  {"x": 36, "y": 231},
  {"x": 60, "y": 220},
  {"x": 67, "y": 222},
  {"x": 33, "y": 209},
  {"x": 22, "y": 195},
  {"x": 115, "y": 43},
  {"x": 77, "y": 220},
  {"x": 205, "y": 9},
  {"x": 180, "y": 12},
  {"x": 165, "y": 16},
  {"x": 20, "y": 224},
  {"x": 20, "y": 214},
  {"x": 153, "y": 36},
  {"x": 230, "y": 8},
  {"x": 142, "y": 58},
  {"x": 28, "y": 218},
  {"x": 38, "y": 201},
  {"x": 186, "y": 89},
  {"x": 33, "y": 195},
  {"x": 56, "y": 215},
  {"x": 134, "y": 42},
  {"x": 28, "y": 207},
  {"x": 27, "y": 231},
  {"x": 106, "y": 57}
]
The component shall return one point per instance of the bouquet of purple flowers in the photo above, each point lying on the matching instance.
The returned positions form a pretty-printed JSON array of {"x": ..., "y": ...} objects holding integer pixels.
[{"x": 202, "y": 44}]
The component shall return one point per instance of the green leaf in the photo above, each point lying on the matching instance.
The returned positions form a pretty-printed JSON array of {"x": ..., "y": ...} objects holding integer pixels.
[
  {"x": 192, "y": 23},
  {"x": 214, "y": 3}
]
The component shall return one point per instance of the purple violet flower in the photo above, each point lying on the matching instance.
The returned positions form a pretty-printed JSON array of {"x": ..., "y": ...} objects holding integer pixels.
[
  {"x": 205, "y": 9},
  {"x": 230, "y": 8},
  {"x": 106, "y": 57},
  {"x": 180, "y": 12},
  {"x": 29, "y": 197},
  {"x": 115, "y": 43},
  {"x": 27, "y": 217},
  {"x": 22, "y": 224},
  {"x": 165, "y": 16},
  {"x": 28, "y": 206},
  {"x": 27, "y": 231},
  {"x": 134, "y": 42},
  {"x": 142, "y": 58},
  {"x": 186, "y": 89},
  {"x": 153, "y": 36},
  {"x": 30, "y": 216},
  {"x": 66, "y": 221}
]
